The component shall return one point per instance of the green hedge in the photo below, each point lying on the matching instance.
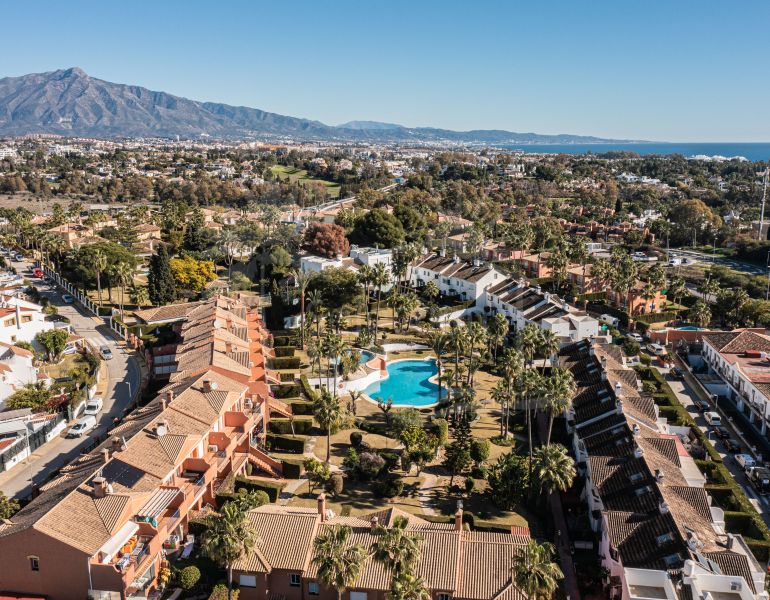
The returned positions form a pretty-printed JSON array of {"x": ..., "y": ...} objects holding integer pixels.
[
  {"x": 657, "y": 317},
  {"x": 286, "y": 362},
  {"x": 301, "y": 407},
  {"x": 306, "y": 389},
  {"x": 282, "y": 340},
  {"x": 285, "y": 443},
  {"x": 292, "y": 469},
  {"x": 284, "y": 351},
  {"x": 272, "y": 489},
  {"x": 302, "y": 426},
  {"x": 604, "y": 308},
  {"x": 286, "y": 390},
  {"x": 287, "y": 377}
]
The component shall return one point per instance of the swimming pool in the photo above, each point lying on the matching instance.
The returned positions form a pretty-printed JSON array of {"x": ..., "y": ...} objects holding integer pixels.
[
  {"x": 366, "y": 356},
  {"x": 407, "y": 383},
  {"x": 689, "y": 328}
]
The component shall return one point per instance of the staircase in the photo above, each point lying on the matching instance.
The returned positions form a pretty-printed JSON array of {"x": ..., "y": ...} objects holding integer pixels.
[
  {"x": 265, "y": 463},
  {"x": 279, "y": 406}
]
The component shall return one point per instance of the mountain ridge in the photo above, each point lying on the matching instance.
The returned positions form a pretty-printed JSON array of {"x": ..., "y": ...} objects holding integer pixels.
[{"x": 70, "y": 102}]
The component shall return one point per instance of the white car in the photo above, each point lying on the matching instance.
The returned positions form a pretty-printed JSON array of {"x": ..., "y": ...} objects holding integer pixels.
[
  {"x": 94, "y": 407},
  {"x": 657, "y": 349},
  {"x": 105, "y": 353},
  {"x": 636, "y": 337},
  {"x": 746, "y": 461},
  {"x": 83, "y": 426},
  {"x": 713, "y": 418},
  {"x": 674, "y": 262}
]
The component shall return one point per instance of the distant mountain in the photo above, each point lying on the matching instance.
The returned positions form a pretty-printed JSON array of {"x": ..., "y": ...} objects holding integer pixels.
[{"x": 72, "y": 103}]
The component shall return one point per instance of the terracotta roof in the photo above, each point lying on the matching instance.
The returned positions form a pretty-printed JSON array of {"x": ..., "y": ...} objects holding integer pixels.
[{"x": 737, "y": 342}]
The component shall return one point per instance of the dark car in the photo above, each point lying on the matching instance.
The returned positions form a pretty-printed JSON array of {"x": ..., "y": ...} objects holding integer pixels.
[
  {"x": 731, "y": 445},
  {"x": 701, "y": 405},
  {"x": 676, "y": 373},
  {"x": 721, "y": 433}
]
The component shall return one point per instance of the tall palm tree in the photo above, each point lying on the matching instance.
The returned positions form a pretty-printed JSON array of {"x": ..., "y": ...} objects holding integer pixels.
[
  {"x": 547, "y": 345},
  {"x": 338, "y": 562},
  {"x": 329, "y": 413},
  {"x": 316, "y": 300},
  {"x": 314, "y": 353},
  {"x": 229, "y": 536},
  {"x": 100, "y": 265},
  {"x": 458, "y": 338},
  {"x": 700, "y": 313},
  {"x": 439, "y": 343},
  {"x": 476, "y": 337},
  {"x": 530, "y": 385},
  {"x": 512, "y": 368},
  {"x": 408, "y": 587},
  {"x": 528, "y": 340},
  {"x": 365, "y": 276},
  {"x": 302, "y": 279},
  {"x": 334, "y": 347},
  {"x": 560, "y": 390},
  {"x": 380, "y": 278},
  {"x": 125, "y": 275},
  {"x": 534, "y": 571},
  {"x": 553, "y": 468},
  {"x": 396, "y": 547},
  {"x": 502, "y": 393}
]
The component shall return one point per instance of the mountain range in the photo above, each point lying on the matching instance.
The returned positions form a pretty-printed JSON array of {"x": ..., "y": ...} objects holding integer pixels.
[{"x": 70, "y": 102}]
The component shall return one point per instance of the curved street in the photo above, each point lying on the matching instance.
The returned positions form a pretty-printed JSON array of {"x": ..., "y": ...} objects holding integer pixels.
[{"x": 122, "y": 385}]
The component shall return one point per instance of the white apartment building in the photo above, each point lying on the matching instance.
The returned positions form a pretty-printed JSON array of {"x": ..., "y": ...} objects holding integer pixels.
[
  {"x": 17, "y": 369},
  {"x": 21, "y": 320},
  {"x": 455, "y": 277},
  {"x": 359, "y": 256}
]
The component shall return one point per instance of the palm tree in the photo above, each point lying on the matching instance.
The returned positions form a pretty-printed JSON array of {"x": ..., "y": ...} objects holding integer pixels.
[
  {"x": 334, "y": 347},
  {"x": 338, "y": 562},
  {"x": 125, "y": 275},
  {"x": 229, "y": 536},
  {"x": 365, "y": 276},
  {"x": 396, "y": 548},
  {"x": 476, "y": 336},
  {"x": 439, "y": 343},
  {"x": 527, "y": 341},
  {"x": 316, "y": 300},
  {"x": 100, "y": 265},
  {"x": 302, "y": 279},
  {"x": 534, "y": 572},
  {"x": 529, "y": 385},
  {"x": 502, "y": 394},
  {"x": 408, "y": 587},
  {"x": 579, "y": 253},
  {"x": 380, "y": 278},
  {"x": 458, "y": 338},
  {"x": 496, "y": 332},
  {"x": 553, "y": 468},
  {"x": 700, "y": 313},
  {"x": 512, "y": 368},
  {"x": 547, "y": 345},
  {"x": 329, "y": 413},
  {"x": 314, "y": 353},
  {"x": 560, "y": 390}
]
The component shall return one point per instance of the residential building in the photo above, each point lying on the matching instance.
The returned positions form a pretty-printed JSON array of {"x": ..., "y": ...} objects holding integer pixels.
[
  {"x": 635, "y": 302},
  {"x": 100, "y": 528},
  {"x": 455, "y": 563},
  {"x": 22, "y": 432},
  {"x": 454, "y": 277},
  {"x": 17, "y": 369},
  {"x": 21, "y": 320}
]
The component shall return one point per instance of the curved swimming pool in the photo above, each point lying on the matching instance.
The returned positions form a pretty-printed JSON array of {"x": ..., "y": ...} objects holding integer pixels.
[
  {"x": 366, "y": 356},
  {"x": 407, "y": 383}
]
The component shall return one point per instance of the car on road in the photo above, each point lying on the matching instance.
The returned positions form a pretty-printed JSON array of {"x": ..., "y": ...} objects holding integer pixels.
[
  {"x": 67, "y": 299},
  {"x": 83, "y": 426},
  {"x": 759, "y": 477},
  {"x": 674, "y": 262},
  {"x": 657, "y": 349},
  {"x": 731, "y": 445},
  {"x": 676, "y": 373},
  {"x": 721, "y": 433},
  {"x": 105, "y": 352},
  {"x": 746, "y": 461},
  {"x": 713, "y": 418},
  {"x": 636, "y": 337},
  {"x": 94, "y": 406},
  {"x": 701, "y": 405}
]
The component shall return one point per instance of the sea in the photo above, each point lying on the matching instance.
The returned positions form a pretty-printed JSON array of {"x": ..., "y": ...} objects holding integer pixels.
[{"x": 749, "y": 151}]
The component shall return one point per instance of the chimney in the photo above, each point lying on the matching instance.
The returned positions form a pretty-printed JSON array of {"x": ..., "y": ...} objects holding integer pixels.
[
  {"x": 374, "y": 522},
  {"x": 105, "y": 455},
  {"x": 161, "y": 428},
  {"x": 638, "y": 451},
  {"x": 322, "y": 506},
  {"x": 99, "y": 485},
  {"x": 459, "y": 516},
  {"x": 169, "y": 399},
  {"x": 117, "y": 444},
  {"x": 659, "y": 475},
  {"x": 206, "y": 386},
  {"x": 663, "y": 507},
  {"x": 636, "y": 430}
]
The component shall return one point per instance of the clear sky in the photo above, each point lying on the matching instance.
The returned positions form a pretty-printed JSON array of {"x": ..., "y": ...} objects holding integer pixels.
[{"x": 674, "y": 70}]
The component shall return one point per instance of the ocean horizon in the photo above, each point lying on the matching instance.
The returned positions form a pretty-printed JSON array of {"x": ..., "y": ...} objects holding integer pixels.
[{"x": 753, "y": 151}]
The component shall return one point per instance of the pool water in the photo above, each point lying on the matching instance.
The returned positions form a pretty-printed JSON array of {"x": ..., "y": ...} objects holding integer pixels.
[
  {"x": 407, "y": 384},
  {"x": 366, "y": 356},
  {"x": 690, "y": 328}
]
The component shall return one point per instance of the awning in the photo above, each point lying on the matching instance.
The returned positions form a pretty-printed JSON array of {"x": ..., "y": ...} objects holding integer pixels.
[
  {"x": 117, "y": 541},
  {"x": 157, "y": 503}
]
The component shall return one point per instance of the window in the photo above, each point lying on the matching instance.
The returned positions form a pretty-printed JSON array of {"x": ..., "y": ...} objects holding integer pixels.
[
  {"x": 34, "y": 563},
  {"x": 358, "y": 596},
  {"x": 312, "y": 588},
  {"x": 443, "y": 597},
  {"x": 26, "y": 318},
  {"x": 9, "y": 322},
  {"x": 248, "y": 581},
  {"x": 294, "y": 579},
  {"x": 666, "y": 537}
]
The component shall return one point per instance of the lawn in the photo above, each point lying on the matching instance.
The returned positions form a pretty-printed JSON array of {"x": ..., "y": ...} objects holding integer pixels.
[
  {"x": 294, "y": 174},
  {"x": 65, "y": 366}
]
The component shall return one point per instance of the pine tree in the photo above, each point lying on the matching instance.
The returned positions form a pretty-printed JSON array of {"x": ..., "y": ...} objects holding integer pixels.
[
  {"x": 458, "y": 454},
  {"x": 161, "y": 286}
]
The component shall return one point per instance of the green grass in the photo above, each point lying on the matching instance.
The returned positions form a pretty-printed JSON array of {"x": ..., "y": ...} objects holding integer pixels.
[{"x": 293, "y": 174}]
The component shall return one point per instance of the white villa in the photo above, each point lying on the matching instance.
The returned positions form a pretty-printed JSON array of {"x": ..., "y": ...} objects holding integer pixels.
[
  {"x": 21, "y": 320},
  {"x": 455, "y": 277}
]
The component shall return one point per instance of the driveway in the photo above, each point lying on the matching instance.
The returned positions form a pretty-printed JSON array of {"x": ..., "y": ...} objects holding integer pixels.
[
  {"x": 685, "y": 394},
  {"x": 124, "y": 375}
]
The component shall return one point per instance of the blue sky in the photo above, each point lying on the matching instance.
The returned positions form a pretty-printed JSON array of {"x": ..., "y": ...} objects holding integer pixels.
[{"x": 674, "y": 70}]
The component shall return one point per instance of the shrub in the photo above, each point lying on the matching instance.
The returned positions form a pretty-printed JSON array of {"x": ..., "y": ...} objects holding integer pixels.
[
  {"x": 389, "y": 487},
  {"x": 370, "y": 465},
  {"x": 220, "y": 592},
  {"x": 285, "y": 443},
  {"x": 301, "y": 407},
  {"x": 336, "y": 484},
  {"x": 480, "y": 450},
  {"x": 281, "y": 340},
  {"x": 442, "y": 430},
  {"x": 283, "y": 351},
  {"x": 291, "y": 469},
  {"x": 272, "y": 489},
  {"x": 351, "y": 461},
  {"x": 287, "y": 377},
  {"x": 306, "y": 389},
  {"x": 302, "y": 425},
  {"x": 356, "y": 437},
  {"x": 286, "y": 390},
  {"x": 188, "y": 577},
  {"x": 286, "y": 362},
  {"x": 470, "y": 483},
  {"x": 631, "y": 347}
]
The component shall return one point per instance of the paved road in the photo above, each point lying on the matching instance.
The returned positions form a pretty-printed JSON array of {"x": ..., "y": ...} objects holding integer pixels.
[
  {"x": 685, "y": 393},
  {"x": 123, "y": 373},
  {"x": 732, "y": 263}
]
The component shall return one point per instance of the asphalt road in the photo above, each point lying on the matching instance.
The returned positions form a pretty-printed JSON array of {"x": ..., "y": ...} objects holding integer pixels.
[
  {"x": 123, "y": 382},
  {"x": 726, "y": 261}
]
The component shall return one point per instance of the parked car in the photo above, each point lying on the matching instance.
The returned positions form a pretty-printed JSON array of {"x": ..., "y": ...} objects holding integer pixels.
[
  {"x": 83, "y": 426},
  {"x": 674, "y": 262},
  {"x": 731, "y": 445},
  {"x": 609, "y": 320},
  {"x": 713, "y": 418},
  {"x": 721, "y": 433},
  {"x": 105, "y": 352},
  {"x": 94, "y": 406},
  {"x": 18, "y": 256},
  {"x": 701, "y": 405},
  {"x": 67, "y": 299},
  {"x": 657, "y": 349},
  {"x": 636, "y": 337},
  {"x": 37, "y": 272},
  {"x": 676, "y": 373},
  {"x": 746, "y": 461},
  {"x": 759, "y": 477}
]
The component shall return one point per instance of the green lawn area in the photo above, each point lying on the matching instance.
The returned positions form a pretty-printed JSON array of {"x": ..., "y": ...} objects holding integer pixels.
[{"x": 293, "y": 174}]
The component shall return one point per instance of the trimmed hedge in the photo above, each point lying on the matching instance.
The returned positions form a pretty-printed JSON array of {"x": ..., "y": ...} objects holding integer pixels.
[
  {"x": 285, "y": 443},
  {"x": 292, "y": 469},
  {"x": 662, "y": 317},
  {"x": 284, "y": 351},
  {"x": 301, "y": 407},
  {"x": 287, "y": 377},
  {"x": 286, "y": 362},
  {"x": 302, "y": 426},
  {"x": 286, "y": 390},
  {"x": 306, "y": 389},
  {"x": 272, "y": 489}
]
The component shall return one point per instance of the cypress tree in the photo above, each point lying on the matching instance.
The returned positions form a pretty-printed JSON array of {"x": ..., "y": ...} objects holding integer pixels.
[{"x": 161, "y": 286}]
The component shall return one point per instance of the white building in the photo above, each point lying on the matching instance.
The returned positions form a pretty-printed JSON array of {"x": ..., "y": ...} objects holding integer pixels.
[
  {"x": 21, "y": 320},
  {"x": 22, "y": 432},
  {"x": 359, "y": 256},
  {"x": 17, "y": 369},
  {"x": 455, "y": 277}
]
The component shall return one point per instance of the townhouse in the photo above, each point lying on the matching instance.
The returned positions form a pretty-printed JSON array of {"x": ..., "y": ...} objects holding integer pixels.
[
  {"x": 455, "y": 563},
  {"x": 17, "y": 369},
  {"x": 21, "y": 320},
  {"x": 454, "y": 277},
  {"x": 661, "y": 534},
  {"x": 636, "y": 302},
  {"x": 522, "y": 305},
  {"x": 102, "y": 527},
  {"x": 741, "y": 359}
]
